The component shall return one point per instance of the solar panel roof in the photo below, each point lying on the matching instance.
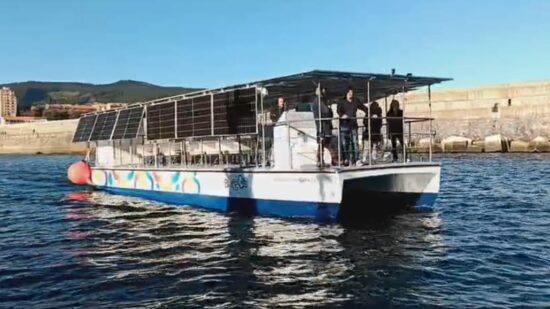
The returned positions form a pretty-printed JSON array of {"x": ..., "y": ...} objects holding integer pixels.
[
  {"x": 104, "y": 126},
  {"x": 84, "y": 128},
  {"x": 128, "y": 123}
]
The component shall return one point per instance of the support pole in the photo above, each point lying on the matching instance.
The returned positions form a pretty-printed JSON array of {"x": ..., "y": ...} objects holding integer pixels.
[
  {"x": 369, "y": 149},
  {"x": 175, "y": 119},
  {"x": 387, "y": 135},
  {"x": 430, "y": 122},
  {"x": 263, "y": 127},
  {"x": 403, "y": 122},
  {"x": 319, "y": 128},
  {"x": 211, "y": 113}
]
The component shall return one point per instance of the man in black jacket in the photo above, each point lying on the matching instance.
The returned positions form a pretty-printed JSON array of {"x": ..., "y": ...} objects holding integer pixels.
[{"x": 347, "y": 110}]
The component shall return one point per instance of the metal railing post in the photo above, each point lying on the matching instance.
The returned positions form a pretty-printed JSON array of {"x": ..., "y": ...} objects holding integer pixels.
[
  {"x": 410, "y": 136},
  {"x": 132, "y": 152},
  {"x": 155, "y": 153},
  {"x": 339, "y": 145},
  {"x": 181, "y": 153},
  {"x": 240, "y": 153},
  {"x": 289, "y": 145},
  {"x": 220, "y": 155}
]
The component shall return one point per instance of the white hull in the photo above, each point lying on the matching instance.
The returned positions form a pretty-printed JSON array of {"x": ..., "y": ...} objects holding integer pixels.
[{"x": 294, "y": 193}]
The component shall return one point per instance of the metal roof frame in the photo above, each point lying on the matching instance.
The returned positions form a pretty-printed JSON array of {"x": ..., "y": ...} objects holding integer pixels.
[{"x": 336, "y": 83}]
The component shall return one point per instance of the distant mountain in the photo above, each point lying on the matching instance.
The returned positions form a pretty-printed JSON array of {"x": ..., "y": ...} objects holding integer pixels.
[{"x": 125, "y": 91}]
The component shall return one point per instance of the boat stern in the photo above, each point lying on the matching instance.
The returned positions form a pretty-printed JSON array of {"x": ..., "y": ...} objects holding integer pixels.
[{"x": 389, "y": 188}]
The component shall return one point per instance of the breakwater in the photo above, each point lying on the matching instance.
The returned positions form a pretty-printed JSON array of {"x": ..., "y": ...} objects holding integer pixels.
[
  {"x": 52, "y": 137},
  {"x": 500, "y": 118}
]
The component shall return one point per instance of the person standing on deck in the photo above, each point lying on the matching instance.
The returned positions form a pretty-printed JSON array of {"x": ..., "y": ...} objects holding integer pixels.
[
  {"x": 324, "y": 128},
  {"x": 274, "y": 114},
  {"x": 347, "y": 110},
  {"x": 395, "y": 127},
  {"x": 277, "y": 110},
  {"x": 375, "y": 138}
]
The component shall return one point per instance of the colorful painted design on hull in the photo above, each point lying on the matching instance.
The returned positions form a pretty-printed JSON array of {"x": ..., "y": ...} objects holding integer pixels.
[{"x": 183, "y": 182}]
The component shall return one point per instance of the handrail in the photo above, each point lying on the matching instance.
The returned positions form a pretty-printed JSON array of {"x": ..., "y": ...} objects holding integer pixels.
[{"x": 407, "y": 119}]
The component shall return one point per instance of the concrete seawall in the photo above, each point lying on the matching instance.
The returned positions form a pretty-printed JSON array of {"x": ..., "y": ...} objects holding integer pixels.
[
  {"x": 519, "y": 123},
  {"x": 53, "y": 137}
]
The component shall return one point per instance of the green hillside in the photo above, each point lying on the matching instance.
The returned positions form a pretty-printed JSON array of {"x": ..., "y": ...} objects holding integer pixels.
[{"x": 126, "y": 91}]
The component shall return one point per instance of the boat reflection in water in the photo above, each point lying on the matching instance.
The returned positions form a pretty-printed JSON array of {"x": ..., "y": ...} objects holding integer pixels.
[{"x": 145, "y": 253}]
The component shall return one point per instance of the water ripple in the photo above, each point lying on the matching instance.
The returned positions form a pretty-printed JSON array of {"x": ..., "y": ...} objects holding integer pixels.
[{"x": 485, "y": 244}]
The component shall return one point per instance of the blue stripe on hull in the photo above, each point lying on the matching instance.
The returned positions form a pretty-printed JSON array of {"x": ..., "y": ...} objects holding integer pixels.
[
  {"x": 246, "y": 206},
  {"x": 357, "y": 208},
  {"x": 426, "y": 199}
]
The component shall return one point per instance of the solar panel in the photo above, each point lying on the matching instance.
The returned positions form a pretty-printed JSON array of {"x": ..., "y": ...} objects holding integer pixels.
[
  {"x": 128, "y": 123},
  {"x": 202, "y": 116},
  {"x": 84, "y": 129},
  {"x": 185, "y": 118},
  {"x": 161, "y": 121},
  {"x": 104, "y": 126},
  {"x": 243, "y": 110},
  {"x": 235, "y": 112}
]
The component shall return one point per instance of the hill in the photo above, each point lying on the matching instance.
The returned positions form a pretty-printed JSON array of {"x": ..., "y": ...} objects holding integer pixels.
[{"x": 124, "y": 91}]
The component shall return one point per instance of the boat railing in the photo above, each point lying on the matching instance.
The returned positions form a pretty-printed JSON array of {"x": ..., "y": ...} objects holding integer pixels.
[
  {"x": 374, "y": 147},
  {"x": 252, "y": 151}
]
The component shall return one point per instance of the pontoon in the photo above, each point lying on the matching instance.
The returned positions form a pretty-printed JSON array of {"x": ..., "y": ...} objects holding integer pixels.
[{"x": 216, "y": 149}]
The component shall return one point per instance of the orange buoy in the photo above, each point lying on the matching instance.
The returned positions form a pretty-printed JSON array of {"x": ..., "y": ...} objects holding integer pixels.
[{"x": 79, "y": 173}]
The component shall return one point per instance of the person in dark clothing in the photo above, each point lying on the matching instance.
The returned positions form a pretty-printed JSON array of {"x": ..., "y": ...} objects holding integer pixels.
[
  {"x": 324, "y": 128},
  {"x": 375, "y": 126},
  {"x": 347, "y": 110},
  {"x": 277, "y": 110},
  {"x": 395, "y": 127},
  {"x": 274, "y": 114}
]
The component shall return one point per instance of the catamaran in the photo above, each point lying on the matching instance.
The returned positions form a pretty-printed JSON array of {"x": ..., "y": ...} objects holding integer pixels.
[{"x": 216, "y": 149}]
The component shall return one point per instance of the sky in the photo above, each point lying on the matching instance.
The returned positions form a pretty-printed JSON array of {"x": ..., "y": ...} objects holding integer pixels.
[{"x": 219, "y": 43}]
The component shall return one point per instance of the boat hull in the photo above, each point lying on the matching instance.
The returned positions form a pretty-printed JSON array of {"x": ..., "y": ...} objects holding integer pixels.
[{"x": 326, "y": 195}]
